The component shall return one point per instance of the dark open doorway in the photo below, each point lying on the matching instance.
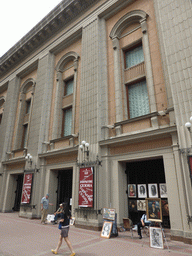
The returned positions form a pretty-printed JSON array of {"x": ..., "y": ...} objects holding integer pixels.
[
  {"x": 64, "y": 190},
  {"x": 146, "y": 172},
  {"x": 18, "y": 192}
]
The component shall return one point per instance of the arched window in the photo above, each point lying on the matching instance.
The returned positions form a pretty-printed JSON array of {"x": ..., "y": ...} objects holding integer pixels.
[
  {"x": 2, "y": 101},
  {"x": 64, "y": 108},
  {"x": 24, "y": 114},
  {"x": 136, "y": 70}
]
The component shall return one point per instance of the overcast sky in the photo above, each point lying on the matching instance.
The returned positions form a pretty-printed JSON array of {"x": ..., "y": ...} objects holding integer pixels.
[{"x": 18, "y": 17}]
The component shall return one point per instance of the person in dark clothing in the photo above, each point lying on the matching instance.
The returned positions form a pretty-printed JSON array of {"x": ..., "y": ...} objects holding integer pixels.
[
  {"x": 143, "y": 222},
  {"x": 64, "y": 226}
]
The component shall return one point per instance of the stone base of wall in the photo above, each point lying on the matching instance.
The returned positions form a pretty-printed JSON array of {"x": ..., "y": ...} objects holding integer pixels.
[
  {"x": 181, "y": 239},
  {"x": 95, "y": 228}
]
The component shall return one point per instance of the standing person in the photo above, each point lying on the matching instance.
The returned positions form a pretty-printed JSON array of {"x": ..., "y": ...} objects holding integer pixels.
[
  {"x": 144, "y": 222},
  {"x": 64, "y": 223},
  {"x": 44, "y": 208}
]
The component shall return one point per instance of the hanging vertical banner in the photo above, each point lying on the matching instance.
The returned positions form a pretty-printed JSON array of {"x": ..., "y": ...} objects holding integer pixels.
[
  {"x": 190, "y": 165},
  {"x": 86, "y": 187},
  {"x": 27, "y": 186}
]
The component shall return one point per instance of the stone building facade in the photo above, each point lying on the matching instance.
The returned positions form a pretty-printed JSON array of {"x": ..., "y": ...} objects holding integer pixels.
[{"x": 116, "y": 74}]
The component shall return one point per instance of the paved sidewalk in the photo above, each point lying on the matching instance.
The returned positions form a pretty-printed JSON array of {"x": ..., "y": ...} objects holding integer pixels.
[{"x": 24, "y": 237}]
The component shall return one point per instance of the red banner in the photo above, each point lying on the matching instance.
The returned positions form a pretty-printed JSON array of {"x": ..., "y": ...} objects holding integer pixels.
[
  {"x": 27, "y": 185},
  {"x": 86, "y": 187},
  {"x": 190, "y": 165}
]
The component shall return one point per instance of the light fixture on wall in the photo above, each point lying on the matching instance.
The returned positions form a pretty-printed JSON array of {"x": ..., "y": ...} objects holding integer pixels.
[
  {"x": 29, "y": 158},
  {"x": 84, "y": 147},
  {"x": 189, "y": 124}
]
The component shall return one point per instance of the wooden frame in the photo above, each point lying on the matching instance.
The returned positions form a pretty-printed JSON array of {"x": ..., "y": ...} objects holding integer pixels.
[
  {"x": 156, "y": 238},
  {"x": 154, "y": 210},
  {"x": 106, "y": 229}
]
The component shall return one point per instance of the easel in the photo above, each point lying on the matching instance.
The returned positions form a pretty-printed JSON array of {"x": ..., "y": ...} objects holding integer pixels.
[{"x": 162, "y": 230}]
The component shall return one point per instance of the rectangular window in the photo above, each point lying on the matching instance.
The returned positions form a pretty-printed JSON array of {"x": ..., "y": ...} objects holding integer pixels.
[
  {"x": 134, "y": 56},
  {"x": 67, "y": 121},
  {"x": 28, "y": 106},
  {"x": 68, "y": 87},
  {"x": 138, "y": 101},
  {"x": 25, "y": 132}
]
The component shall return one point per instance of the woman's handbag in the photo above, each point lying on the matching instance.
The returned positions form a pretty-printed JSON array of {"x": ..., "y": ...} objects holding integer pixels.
[{"x": 60, "y": 225}]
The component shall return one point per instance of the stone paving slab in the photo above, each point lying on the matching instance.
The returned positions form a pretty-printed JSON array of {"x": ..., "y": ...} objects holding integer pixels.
[{"x": 24, "y": 237}]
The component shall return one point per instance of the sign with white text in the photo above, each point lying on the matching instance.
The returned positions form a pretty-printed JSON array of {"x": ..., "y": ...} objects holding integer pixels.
[
  {"x": 27, "y": 186},
  {"x": 86, "y": 187}
]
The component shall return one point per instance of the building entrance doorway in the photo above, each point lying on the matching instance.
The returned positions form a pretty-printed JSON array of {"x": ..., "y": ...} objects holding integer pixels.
[
  {"x": 18, "y": 192},
  {"x": 64, "y": 189},
  {"x": 147, "y": 174}
]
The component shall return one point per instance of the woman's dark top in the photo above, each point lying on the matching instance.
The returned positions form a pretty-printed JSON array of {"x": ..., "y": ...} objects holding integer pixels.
[{"x": 66, "y": 218}]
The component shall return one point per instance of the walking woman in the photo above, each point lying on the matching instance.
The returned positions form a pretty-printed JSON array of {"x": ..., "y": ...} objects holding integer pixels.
[{"x": 64, "y": 227}]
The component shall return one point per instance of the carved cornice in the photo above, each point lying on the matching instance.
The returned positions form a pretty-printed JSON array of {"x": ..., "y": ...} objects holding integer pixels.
[{"x": 59, "y": 17}]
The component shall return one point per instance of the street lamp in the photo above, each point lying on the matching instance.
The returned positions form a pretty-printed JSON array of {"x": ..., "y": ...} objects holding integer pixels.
[
  {"x": 188, "y": 124},
  {"x": 29, "y": 158},
  {"x": 84, "y": 147}
]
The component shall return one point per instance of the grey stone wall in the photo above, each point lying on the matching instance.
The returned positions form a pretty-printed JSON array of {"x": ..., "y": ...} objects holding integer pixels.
[
  {"x": 9, "y": 116},
  {"x": 39, "y": 126}
]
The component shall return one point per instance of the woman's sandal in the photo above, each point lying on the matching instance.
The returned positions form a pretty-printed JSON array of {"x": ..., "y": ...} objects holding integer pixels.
[{"x": 53, "y": 251}]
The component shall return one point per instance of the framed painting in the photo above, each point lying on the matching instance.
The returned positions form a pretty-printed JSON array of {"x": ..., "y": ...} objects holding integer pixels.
[
  {"x": 132, "y": 190},
  {"x": 163, "y": 190},
  {"x": 132, "y": 205},
  {"x": 154, "y": 211},
  {"x": 106, "y": 229},
  {"x": 108, "y": 214},
  {"x": 156, "y": 238},
  {"x": 153, "y": 191},
  {"x": 142, "y": 190},
  {"x": 141, "y": 205}
]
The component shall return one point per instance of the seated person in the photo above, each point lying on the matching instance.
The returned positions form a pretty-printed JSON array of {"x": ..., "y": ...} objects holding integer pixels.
[
  {"x": 58, "y": 213},
  {"x": 144, "y": 222}
]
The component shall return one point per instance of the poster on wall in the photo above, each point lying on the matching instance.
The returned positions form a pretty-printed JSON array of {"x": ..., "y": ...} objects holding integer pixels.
[
  {"x": 27, "y": 187},
  {"x": 86, "y": 187}
]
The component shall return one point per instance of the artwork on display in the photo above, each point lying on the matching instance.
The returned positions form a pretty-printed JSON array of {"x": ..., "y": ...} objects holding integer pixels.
[
  {"x": 106, "y": 229},
  {"x": 154, "y": 211},
  {"x": 141, "y": 205},
  {"x": 153, "y": 191},
  {"x": 132, "y": 205},
  {"x": 108, "y": 214},
  {"x": 165, "y": 207},
  {"x": 132, "y": 190},
  {"x": 72, "y": 221},
  {"x": 156, "y": 238},
  {"x": 163, "y": 190},
  {"x": 142, "y": 190}
]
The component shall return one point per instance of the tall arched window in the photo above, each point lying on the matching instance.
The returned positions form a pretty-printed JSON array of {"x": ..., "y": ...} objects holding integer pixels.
[
  {"x": 24, "y": 114},
  {"x": 2, "y": 101},
  {"x": 64, "y": 108},
  {"x": 136, "y": 70}
]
